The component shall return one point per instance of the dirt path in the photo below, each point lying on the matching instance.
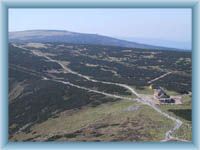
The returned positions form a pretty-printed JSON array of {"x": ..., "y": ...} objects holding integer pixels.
[
  {"x": 168, "y": 134},
  {"x": 160, "y": 77}
]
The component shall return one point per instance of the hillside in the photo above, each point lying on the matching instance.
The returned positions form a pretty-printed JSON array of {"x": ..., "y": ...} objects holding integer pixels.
[
  {"x": 75, "y": 38},
  {"x": 76, "y": 92}
]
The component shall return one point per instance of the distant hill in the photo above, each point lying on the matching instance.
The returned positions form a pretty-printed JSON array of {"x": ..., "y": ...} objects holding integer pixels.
[{"x": 75, "y": 38}]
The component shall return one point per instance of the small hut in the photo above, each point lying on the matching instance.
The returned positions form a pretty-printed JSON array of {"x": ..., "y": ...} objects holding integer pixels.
[
  {"x": 162, "y": 97},
  {"x": 160, "y": 93}
]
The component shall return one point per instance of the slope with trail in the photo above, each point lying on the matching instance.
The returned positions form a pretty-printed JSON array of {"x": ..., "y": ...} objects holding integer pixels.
[{"x": 168, "y": 134}]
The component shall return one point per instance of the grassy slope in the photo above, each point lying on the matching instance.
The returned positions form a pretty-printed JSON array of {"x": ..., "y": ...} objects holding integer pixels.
[
  {"x": 144, "y": 124},
  {"x": 182, "y": 112}
]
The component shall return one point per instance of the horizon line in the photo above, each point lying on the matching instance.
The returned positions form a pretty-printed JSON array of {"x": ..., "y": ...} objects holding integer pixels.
[{"x": 112, "y": 36}]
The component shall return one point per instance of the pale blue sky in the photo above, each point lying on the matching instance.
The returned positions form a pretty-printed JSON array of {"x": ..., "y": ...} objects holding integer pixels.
[{"x": 164, "y": 24}]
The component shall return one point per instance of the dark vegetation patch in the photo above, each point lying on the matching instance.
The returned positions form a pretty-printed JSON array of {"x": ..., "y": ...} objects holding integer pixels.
[
  {"x": 176, "y": 82},
  {"x": 48, "y": 99},
  {"x": 25, "y": 58},
  {"x": 183, "y": 113},
  {"x": 112, "y": 89},
  {"x": 133, "y": 67}
]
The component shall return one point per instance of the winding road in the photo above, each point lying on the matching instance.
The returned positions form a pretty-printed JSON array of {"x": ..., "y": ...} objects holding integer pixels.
[{"x": 168, "y": 134}]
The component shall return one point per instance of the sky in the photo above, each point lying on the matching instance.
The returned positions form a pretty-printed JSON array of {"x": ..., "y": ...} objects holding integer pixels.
[{"x": 164, "y": 27}]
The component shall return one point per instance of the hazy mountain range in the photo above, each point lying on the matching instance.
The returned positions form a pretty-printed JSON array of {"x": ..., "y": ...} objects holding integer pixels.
[
  {"x": 76, "y": 38},
  {"x": 160, "y": 42}
]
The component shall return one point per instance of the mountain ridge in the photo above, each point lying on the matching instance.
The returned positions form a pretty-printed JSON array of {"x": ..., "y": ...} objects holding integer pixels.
[{"x": 41, "y": 35}]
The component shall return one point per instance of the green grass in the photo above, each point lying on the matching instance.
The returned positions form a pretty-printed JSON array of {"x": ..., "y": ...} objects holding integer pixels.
[
  {"x": 184, "y": 132},
  {"x": 144, "y": 90},
  {"x": 145, "y": 124},
  {"x": 171, "y": 93}
]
